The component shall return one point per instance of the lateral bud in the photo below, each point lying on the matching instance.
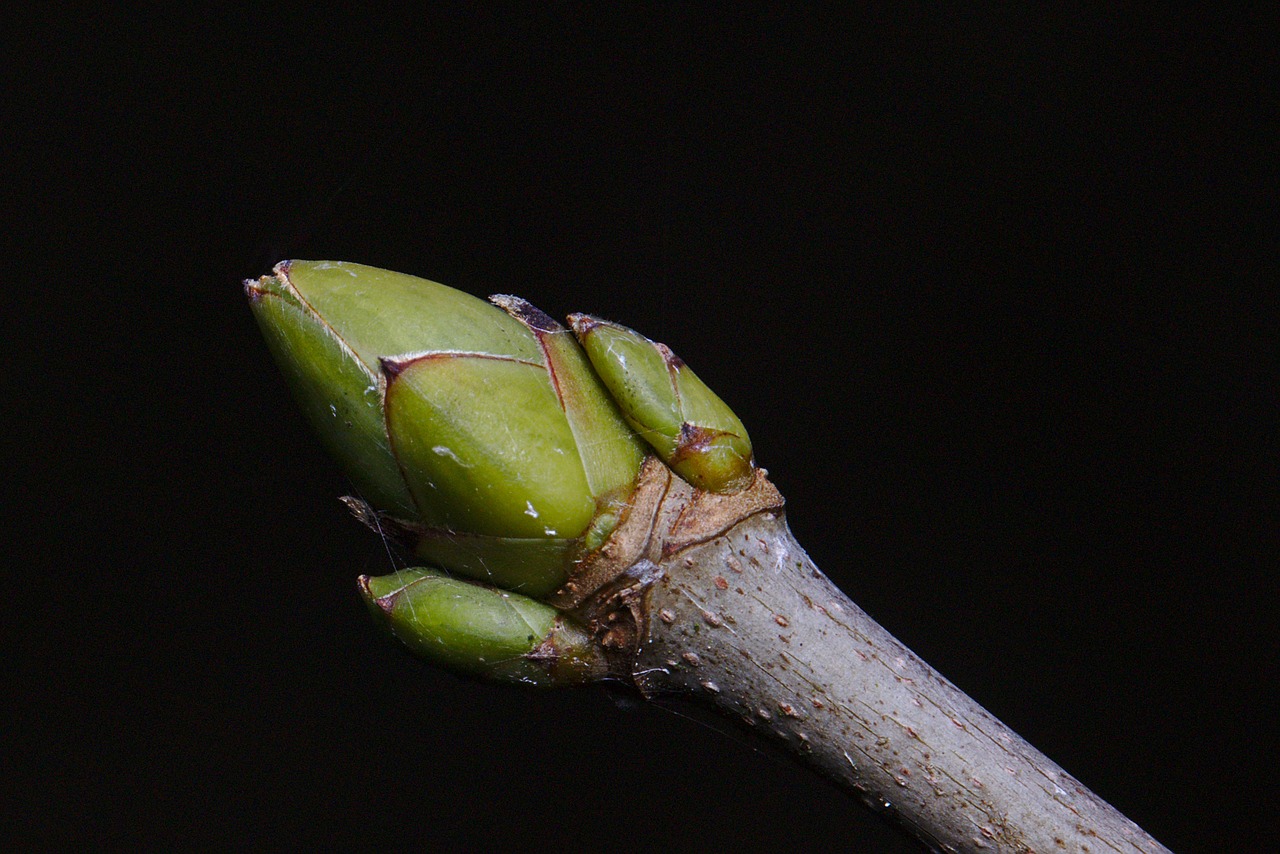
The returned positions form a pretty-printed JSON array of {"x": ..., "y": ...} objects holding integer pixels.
[
  {"x": 690, "y": 428},
  {"x": 481, "y": 630}
]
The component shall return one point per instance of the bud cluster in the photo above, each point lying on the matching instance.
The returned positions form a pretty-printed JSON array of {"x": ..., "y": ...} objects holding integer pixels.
[{"x": 507, "y": 447}]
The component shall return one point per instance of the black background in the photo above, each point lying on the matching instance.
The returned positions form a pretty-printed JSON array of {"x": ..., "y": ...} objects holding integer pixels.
[{"x": 991, "y": 290}]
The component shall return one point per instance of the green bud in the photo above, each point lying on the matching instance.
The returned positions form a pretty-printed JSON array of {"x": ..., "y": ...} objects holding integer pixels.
[
  {"x": 481, "y": 630},
  {"x": 337, "y": 391},
  {"x": 691, "y": 429},
  {"x": 486, "y": 431}
]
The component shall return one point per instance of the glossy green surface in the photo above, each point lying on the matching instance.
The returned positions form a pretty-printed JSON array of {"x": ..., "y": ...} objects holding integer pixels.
[
  {"x": 690, "y": 428},
  {"x": 610, "y": 452},
  {"x": 720, "y": 460},
  {"x": 636, "y": 375},
  {"x": 486, "y": 448},
  {"x": 381, "y": 314},
  {"x": 461, "y": 625},
  {"x": 337, "y": 393},
  {"x": 532, "y": 566}
]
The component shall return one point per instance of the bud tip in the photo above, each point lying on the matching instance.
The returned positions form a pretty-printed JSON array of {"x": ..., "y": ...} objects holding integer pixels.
[
  {"x": 384, "y": 603},
  {"x": 525, "y": 312},
  {"x": 392, "y": 367},
  {"x": 582, "y": 324}
]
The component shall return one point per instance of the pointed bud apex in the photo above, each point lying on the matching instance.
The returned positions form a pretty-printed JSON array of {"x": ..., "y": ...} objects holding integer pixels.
[
  {"x": 336, "y": 389},
  {"x": 692, "y": 429},
  {"x": 480, "y": 630}
]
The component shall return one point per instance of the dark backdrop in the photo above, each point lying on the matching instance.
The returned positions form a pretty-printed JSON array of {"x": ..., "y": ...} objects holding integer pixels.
[{"x": 990, "y": 290}]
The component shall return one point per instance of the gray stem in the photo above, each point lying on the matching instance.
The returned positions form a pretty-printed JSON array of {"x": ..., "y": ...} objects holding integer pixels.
[{"x": 745, "y": 621}]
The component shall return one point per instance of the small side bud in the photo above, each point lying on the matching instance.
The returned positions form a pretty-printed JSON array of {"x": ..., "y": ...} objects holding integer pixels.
[
  {"x": 481, "y": 630},
  {"x": 690, "y": 428}
]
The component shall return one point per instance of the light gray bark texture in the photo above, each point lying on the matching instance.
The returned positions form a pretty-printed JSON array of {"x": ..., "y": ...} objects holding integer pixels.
[{"x": 744, "y": 620}]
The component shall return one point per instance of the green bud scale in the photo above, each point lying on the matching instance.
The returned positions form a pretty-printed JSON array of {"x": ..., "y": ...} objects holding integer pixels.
[
  {"x": 690, "y": 428},
  {"x": 481, "y": 630}
]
